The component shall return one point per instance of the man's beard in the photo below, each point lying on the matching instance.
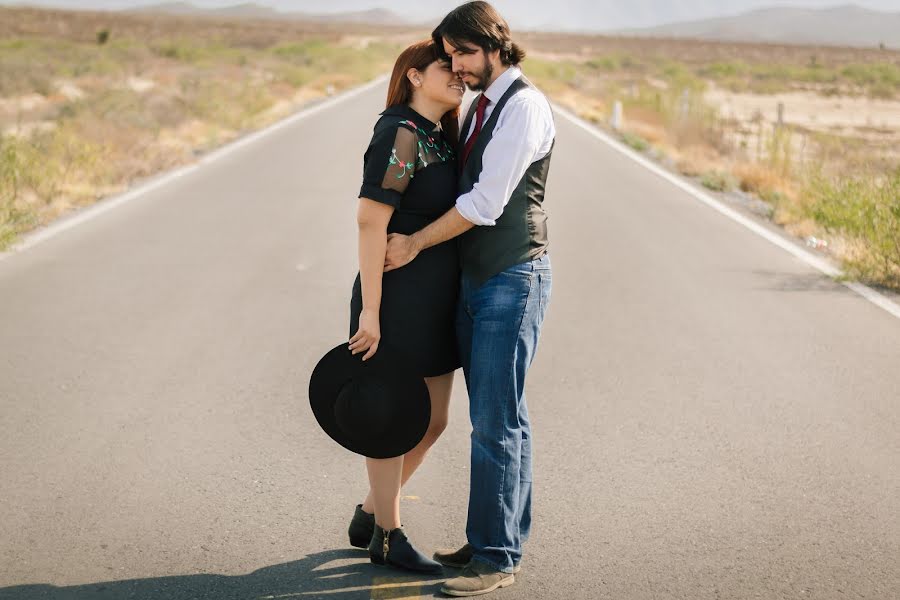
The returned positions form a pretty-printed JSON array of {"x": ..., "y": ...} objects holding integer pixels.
[{"x": 483, "y": 77}]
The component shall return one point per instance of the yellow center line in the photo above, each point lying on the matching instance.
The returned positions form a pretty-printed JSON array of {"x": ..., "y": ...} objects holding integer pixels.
[{"x": 387, "y": 588}]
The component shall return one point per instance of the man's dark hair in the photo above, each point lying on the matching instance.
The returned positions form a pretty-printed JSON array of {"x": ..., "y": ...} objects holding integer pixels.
[{"x": 478, "y": 23}]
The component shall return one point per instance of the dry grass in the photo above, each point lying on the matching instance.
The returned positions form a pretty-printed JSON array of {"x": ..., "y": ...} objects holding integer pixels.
[
  {"x": 667, "y": 114},
  {"x": 80, "y": 119},
  {"x": 758, "y": 178},
  {"x": 83, "y": 119},
  {"x": 719, "y": 60}
]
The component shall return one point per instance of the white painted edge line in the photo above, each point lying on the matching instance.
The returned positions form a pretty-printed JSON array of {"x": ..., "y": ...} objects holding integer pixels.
[
  {"x": 816, "y": 262},
  {"x": 86, "y": 214}
]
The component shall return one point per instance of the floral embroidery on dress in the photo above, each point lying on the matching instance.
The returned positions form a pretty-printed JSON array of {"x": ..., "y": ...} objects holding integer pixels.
[
  {"x": 394, "y": 160},
  {"x": 426, "y": 145}
]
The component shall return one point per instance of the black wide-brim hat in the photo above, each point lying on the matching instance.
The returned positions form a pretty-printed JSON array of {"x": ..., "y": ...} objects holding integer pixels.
[{"x": 379, "y": 408}]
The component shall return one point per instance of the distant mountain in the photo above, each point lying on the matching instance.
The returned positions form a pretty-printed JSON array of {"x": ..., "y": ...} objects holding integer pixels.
[
  {"x": 847, "y": 25},
  {"x": 173, "y": 8},
  {"x": 249, "y": 10},
  {"x": 379, "y": 16}
]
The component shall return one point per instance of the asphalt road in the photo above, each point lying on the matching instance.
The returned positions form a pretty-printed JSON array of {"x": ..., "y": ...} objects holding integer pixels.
[{"x": 713, "y": 418}]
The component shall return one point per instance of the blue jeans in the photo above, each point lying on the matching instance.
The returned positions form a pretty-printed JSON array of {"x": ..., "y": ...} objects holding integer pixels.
[{"x": 498, "y": 325}]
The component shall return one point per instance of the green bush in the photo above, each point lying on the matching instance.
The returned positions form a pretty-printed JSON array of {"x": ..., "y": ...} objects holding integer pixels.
[
  {"x": 17, "y": 161},
  {"x": 635, "y": 141},
  {"x": 779, "y": 150},
  {"x": 679, "y": 76},
  {"x": 718, "y": 181},
  {"x": 873, "y": 73},
  {"x": 867, "y": 209},
  {"x": 560, "y": 71},
  {"x": 724, "y": 70},
  {"x": 605, "y": 63}
]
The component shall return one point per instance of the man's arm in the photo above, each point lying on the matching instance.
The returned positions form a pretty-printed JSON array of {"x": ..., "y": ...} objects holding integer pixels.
[
  {"x": 446, "y": 228},
  {"x": 527, "y": 125},
  {"x": 524, "y": 129},
  {"x": 403, "y": 249}
]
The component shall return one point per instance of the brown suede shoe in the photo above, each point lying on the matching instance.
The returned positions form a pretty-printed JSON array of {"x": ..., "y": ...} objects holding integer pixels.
[
  {"x": 459, "y": 558},
  {"x": 477, "y": 578}
]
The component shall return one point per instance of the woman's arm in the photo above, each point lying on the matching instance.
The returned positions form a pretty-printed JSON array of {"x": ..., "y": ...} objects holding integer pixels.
[{"x": 372, "y": 218}]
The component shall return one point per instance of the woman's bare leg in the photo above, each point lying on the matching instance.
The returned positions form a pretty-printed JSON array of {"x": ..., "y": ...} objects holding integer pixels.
[
  {"x": 439, "y": 388},
  {"x": 384, "y": 490}
]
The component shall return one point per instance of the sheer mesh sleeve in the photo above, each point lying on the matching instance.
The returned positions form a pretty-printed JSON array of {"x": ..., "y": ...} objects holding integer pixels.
[{"x": 389, "y": 164}]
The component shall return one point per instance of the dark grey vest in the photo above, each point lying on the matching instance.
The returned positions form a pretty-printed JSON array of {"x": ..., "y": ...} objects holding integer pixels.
[{"x": 520, "y": 234}]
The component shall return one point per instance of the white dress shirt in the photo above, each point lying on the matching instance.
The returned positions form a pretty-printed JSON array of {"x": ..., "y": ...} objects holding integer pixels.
[{"x": 523, "y": 134}]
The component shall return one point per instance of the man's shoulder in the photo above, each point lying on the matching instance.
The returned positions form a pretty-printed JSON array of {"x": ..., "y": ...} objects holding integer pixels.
[{"x": 530, "y": 97}]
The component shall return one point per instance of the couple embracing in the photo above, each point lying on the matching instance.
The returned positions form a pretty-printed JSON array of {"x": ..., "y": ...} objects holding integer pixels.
[{"x": 453, "y": 272}]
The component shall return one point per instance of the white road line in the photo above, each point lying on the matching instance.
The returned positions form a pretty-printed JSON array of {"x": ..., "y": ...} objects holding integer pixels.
[
  {"x": 816, "y": 262},
  {"x": 53, "y": 229}
]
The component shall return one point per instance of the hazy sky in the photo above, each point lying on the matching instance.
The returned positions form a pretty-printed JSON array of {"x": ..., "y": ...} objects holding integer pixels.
[{"x": 521, "y": 14}]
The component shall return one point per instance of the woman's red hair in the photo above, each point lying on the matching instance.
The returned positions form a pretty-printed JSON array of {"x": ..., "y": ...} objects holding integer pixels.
[{"x": 400, "y": 90}]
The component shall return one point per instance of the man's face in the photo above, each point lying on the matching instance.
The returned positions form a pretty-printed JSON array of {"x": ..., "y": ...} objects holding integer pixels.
[{"x": 472, "y": 64}]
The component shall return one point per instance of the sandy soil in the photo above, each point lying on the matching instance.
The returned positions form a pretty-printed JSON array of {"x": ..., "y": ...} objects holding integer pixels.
[{"x": 858, "y": 116}]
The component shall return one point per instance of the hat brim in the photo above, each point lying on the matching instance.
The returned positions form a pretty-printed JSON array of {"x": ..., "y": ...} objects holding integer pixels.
[{"x": 394, "y": 371}]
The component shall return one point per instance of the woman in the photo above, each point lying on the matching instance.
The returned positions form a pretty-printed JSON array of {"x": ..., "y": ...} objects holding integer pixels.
[{"x": 409, "y": 180}]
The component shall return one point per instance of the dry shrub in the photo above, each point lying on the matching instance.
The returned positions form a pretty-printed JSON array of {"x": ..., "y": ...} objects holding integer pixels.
[
  {"x": 655, "y": 135},
  {"x": 213, "y": 79},
  {"x": 756, "y": 177},
  {"x": 697, "y": 159},
  {"x": 646, "y": 116}
]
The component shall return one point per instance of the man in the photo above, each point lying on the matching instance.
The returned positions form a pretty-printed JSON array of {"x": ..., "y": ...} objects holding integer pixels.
[{"x": 504, "y": 154}]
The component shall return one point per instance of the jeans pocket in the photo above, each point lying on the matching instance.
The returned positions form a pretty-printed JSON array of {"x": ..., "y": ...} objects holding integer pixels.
[{"x": 500, "y": 302}]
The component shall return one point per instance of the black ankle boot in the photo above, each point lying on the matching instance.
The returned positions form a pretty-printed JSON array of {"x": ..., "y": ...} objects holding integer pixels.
[
  {"x": 361, "y": 528},
  {"x": 393, "y": 548}
]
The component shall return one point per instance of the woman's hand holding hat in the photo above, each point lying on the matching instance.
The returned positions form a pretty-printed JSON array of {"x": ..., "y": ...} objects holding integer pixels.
[
  {"x": 379, "y": 408},
  {"x": 368, "y": 335}
]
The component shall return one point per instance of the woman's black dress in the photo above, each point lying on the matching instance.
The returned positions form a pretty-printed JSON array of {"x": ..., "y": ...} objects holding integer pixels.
[{"x": 410, "y": 166}]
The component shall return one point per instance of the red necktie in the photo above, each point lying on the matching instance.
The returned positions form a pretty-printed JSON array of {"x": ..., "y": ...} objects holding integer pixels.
[{"x": 479, "y": 121}]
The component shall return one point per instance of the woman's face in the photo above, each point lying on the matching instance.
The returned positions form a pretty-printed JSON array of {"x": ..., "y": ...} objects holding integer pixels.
[{"x": 440, "y": 84}]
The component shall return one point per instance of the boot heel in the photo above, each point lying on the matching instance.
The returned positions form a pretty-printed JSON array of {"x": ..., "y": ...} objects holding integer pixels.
[{"x": 361, "y": 528}]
